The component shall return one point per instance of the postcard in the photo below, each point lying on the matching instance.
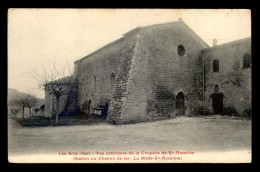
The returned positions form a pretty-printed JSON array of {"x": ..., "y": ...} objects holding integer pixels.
[{"x": 129, "y": 86}]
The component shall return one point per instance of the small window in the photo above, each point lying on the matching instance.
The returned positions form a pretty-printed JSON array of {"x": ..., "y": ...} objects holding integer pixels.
[
  {"x": 95, "y": 82},
  {"x": 181, "y": 50},
  {"x": 215, "y": 66},
  {"x": 247, "y": 61},
  {"x": 112, "y": 80},
  {"x": 216, "y": 88}
]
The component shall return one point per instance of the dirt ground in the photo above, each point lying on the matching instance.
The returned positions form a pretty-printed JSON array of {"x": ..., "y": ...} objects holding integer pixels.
[{"x": 214, "y": 133}]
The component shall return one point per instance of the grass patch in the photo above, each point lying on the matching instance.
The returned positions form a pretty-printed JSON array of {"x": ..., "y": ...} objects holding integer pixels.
[{"x": 63, "y": 121}]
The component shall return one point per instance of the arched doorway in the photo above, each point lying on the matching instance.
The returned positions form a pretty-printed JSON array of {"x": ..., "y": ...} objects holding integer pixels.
[
  {"x": 217, "y": 101},
  {"x": 180, "y": 104},
  {"x": 89, "y": 107}
]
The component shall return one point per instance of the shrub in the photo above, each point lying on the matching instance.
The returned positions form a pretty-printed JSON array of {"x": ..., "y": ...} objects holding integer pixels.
[
  {"x": 22, "y": 122},
  {"x": 42, "y": 107},
  {"x": 15, "y": 111},
  {"x": 247, "y": 113},
  {"x": 200, "y": 109},
  {"x": 36, "y": 110},
  {"x": 230, "y": 110}
]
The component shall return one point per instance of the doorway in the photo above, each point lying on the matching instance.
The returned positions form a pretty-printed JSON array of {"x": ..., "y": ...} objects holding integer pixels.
[
  {"x": 217, "y": 103},
  {"x": 180, "y": 105},
  {"x": 89, "y": 107}
]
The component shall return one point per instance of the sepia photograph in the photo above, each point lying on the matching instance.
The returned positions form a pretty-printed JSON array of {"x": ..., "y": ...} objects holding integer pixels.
[{"x": 129, "y": 86}]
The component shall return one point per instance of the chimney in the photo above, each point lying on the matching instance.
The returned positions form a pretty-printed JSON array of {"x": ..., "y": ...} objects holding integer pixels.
[
  {"x": 180, "y": 19},
  {"x": 215, "y": 42}
]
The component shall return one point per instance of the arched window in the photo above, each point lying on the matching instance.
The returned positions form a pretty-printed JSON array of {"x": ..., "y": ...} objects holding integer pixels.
[
  {"x": 216, "y": 88},
  {"x": 215, "y": 66},
  {"x": 247, "y": 60},
  {"x": 112, "y": 80},
  {"x": 181, "y": 50}
]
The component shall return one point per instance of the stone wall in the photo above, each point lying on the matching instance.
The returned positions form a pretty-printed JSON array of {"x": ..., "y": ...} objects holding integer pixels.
[
  {"x": 48, "y": 103},
  {"x": 152, "y": 74},
  {"x": 233, "y": 80},
  {"x": 135, "y": 104},
  {"x": 116, "y": 112},
  {"x": 94, "y": 74},
  {"x": 169, "y": 73}
]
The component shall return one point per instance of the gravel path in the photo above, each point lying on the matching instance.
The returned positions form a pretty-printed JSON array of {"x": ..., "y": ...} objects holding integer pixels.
[{"x": 214, "y": 133}]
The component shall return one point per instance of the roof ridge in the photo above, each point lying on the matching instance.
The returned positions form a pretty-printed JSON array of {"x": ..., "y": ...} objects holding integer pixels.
[
  {"x": 194, "y": 33},
  {"x": 95, "y": 51},
  {"x": 172, "y": 22},
  {"x": 147, "y": 26},
  {"x": 137, "y": 29},
  {"x": 226, "y": 44}
]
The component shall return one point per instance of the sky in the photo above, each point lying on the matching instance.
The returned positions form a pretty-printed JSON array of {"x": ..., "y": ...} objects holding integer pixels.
[{"x": 38, "y": 38}]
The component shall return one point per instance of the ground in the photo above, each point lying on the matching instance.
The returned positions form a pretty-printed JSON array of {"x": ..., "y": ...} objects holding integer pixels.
[{"x": 212, "y": 133}]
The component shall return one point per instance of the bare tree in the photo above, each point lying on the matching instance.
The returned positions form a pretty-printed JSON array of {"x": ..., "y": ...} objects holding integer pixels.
[
  {"x": 57, "y": 81},
  {"x": 31, "y": 102},
  {"x": 21, "y": 100}
]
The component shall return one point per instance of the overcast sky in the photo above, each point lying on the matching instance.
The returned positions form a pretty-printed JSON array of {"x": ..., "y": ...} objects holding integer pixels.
[{"x": 37, "y": 36}]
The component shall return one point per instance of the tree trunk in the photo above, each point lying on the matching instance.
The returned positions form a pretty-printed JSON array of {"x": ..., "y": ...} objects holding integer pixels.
[
  {"x": 23, "y": 112},
  {"x": 57, "y": 109},
  {"x": 30, "y": 112}
]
